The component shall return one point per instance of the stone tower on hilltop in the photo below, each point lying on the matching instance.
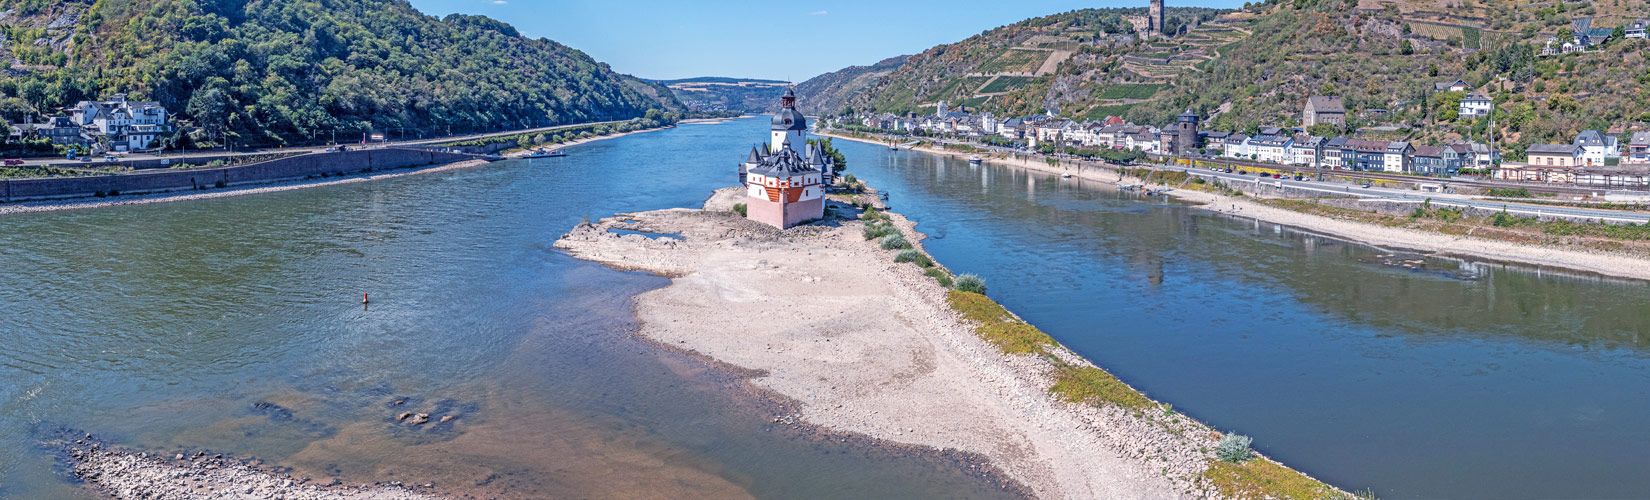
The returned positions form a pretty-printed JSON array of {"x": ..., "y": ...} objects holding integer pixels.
[{"x": 1155, "y": 17}]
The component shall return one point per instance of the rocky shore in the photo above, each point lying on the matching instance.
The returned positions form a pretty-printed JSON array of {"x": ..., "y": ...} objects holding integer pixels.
[
  {"x": 1409, "y": 240},
  {"x": 869, "y": 346},
  {"x": 129, "y": 475}
]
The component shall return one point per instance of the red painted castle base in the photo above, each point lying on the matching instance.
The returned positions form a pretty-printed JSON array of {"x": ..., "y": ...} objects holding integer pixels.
[{"x": 784, "y": 215}]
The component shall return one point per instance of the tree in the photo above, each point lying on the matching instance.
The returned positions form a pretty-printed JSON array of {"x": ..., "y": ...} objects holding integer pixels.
[
  {"x": 1405, "y": 47},
  {"x": 1324, "y": 130},
  {"x": 1565, "y": 35}
]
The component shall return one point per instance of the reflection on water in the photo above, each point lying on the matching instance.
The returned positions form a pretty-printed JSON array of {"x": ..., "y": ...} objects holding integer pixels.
[
  {"x": 1370, "y": 368},
  {"x": 236, "y": 325}
]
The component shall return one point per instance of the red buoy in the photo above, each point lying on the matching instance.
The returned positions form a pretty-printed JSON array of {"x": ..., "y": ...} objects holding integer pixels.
[{"x": 363, "y": 298}]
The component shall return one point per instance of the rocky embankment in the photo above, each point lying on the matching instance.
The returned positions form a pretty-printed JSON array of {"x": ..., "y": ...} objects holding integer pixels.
[
  {"x": 128, "y": 475},
  {"x": 866, "y": 345}
]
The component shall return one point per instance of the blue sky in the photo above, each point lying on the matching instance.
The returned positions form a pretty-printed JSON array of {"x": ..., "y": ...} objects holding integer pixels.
[{"x": 774, "y": 39}]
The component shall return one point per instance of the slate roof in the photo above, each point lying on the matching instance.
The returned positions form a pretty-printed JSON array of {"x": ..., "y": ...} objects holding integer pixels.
[
  {"x": 1567, "y": 149},
  {"x": 785, "y": 163},
  {"x": 1590, "y": 138},
  {"x": 1326, "y": 104}
]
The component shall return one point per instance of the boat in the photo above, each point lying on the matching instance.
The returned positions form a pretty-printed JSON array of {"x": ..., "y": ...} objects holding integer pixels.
[
  {"x": 975, "y": 159},
  {"x": 545, "y": 154}
]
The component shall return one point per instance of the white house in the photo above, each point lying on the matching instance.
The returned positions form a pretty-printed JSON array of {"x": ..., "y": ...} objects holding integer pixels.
[
  {"x": 1595, "y": 147},
  {"x": 1476, "y": 105},
  {"x": 1270, "y": 148},
  {"x": 1397, "y": 156},
  {"x": 128, "y": 125}
]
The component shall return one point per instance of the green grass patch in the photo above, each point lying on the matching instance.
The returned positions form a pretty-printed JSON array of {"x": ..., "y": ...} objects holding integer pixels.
[
  {"x": 1471, "y": 37},
  {"x": 1131, "y": 91},
  {"x": 1087, "y": 384},
  {"x": 1261, "y": 478},
  {"x": 1014, "y": 61},
  {"x": 997, "y": 326},
  {"x": 939, "y": 275},
  {"x": 1510, "y": 193},
  {"x": 1007, "y": 83},
  {"x": 1101, "y": 112}
]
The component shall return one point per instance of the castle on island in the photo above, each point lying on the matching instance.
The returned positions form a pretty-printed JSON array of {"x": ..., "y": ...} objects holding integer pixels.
[{"x": 785, "y": 179}]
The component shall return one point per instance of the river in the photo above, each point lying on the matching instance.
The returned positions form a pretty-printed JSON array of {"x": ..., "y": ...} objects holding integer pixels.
[
  {"x": 235, "y": 325},
  {"x": 1450, "y": 380}
]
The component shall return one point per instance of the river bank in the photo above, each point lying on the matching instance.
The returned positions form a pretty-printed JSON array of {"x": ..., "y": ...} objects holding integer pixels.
[
  {"x": 272, "y": 187},
  {"x": 870, "y": 346},
  {"x": 128, "y": 475},
  {"x": 269, "y": 187},
  {"x": 1424, "y": 242}
]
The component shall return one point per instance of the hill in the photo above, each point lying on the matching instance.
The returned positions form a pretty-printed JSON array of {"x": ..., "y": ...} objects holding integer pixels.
[
  {"x": 1256, "y": 66},
  {"x": 293, "y": 71},
  {"x": 714, "y": 79},
  {"x": 831, "y": 92},
  {"x": 727, "y": 94},
  {"x": 1055, "y": 61}
]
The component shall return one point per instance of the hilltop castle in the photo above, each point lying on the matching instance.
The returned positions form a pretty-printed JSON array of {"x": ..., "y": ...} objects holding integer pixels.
[{"x": 785, "y": 181}]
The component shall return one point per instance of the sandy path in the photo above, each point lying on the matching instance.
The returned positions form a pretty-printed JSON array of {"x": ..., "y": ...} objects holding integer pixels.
[{"x": 869, "y": 346}]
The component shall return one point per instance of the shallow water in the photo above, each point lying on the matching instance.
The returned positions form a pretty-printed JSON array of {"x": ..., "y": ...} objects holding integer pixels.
[
  {"x": 1445, "y": 379},
  {"x": 236, "y": 325}
]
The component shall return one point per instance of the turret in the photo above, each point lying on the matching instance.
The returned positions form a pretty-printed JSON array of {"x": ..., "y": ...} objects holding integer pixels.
[{"x": 789, "y": 126}]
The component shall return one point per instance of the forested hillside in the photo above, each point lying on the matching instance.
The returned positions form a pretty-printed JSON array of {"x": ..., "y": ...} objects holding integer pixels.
[
  {"x": 1051, "y": 62},
  {"x": 1384, "y": 59},
  {"x": 831, "y": 92},
  {"x": 737, "y": 95},
  {"x": 291, "y": 71},
  {"x": 1256, "y": 67}
]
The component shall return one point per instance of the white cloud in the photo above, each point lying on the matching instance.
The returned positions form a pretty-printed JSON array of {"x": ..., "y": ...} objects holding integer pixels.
[
  {"x": 818, "y": 13},
  {"x": 499, "y": 2}
]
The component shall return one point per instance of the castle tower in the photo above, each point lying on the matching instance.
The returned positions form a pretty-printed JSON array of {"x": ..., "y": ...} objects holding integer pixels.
[
  {"x": 789, "y": 126},
  {"x": 1155, "y": 18},
  {"x": 784, "y": 189},
  {"x": 1185, "y": 141},
  {"x": 939, "y": 109}
]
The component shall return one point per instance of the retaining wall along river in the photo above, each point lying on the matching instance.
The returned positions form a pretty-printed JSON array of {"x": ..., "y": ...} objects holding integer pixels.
[{"x": 294, "y": 167}]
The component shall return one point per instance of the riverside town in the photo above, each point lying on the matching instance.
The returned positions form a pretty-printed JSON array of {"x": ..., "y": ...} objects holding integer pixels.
[{"x": 444, "y": 250}]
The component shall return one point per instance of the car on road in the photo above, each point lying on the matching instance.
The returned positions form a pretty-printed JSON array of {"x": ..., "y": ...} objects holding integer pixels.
[
  {"x": 1366, "y": 185},
  {"x": 110, "y": 158},
  {"x": 1228, "y": 171},
  {"x": 85, "y": 158},
  {"x": 13, "y": 161},
  {"x": 332, "y": 150},
  {"x": 1240, "y": 172},
  {"x": 1265, "y": 174}
]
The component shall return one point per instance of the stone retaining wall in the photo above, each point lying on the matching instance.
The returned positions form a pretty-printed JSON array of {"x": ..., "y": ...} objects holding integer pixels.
[{"x": 159, "y": 180}]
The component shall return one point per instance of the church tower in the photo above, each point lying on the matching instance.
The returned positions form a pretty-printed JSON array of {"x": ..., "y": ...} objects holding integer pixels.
[{"x": 790, "y": 128}]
